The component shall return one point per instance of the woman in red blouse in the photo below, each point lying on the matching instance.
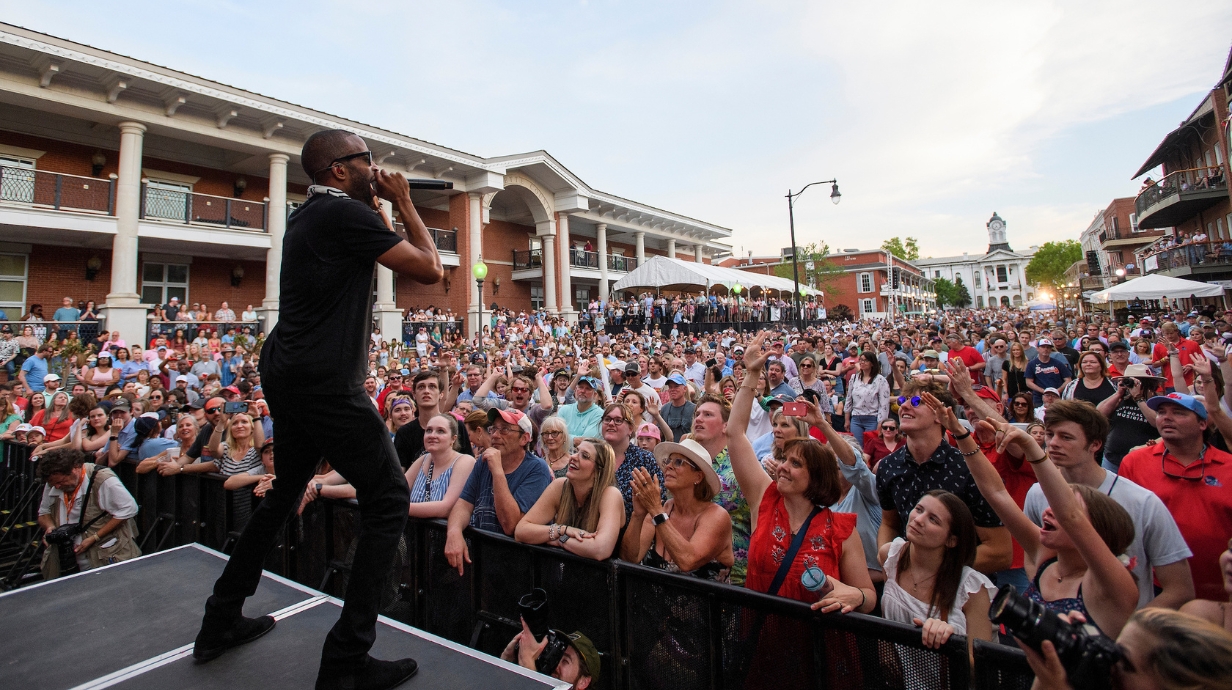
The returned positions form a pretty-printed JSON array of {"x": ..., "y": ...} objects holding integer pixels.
[
  {"x": 806, "y": 481},
  {"x": 882, "y": 442}
]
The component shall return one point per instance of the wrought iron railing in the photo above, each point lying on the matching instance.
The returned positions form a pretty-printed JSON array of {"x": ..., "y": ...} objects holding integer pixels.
[
  {"x": 1179, "y": 182},
  {"x": 1189, "y": 255},
  {"x": 445, "y": 240},
  {"x": 201, "y": 209},
  {"x": 579, "y": 258},
  {"x": 524, "y": 260},
  {"x": 617, "y": 262},
  {"x": 57, "y": 191}
]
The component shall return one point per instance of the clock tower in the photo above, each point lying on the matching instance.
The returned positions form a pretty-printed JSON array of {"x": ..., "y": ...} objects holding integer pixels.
[{"x": 996, "y": 234}]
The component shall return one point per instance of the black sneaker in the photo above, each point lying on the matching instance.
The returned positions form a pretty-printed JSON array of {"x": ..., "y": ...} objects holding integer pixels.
[
  {"x": 211, "y": 645},
  {"x": 375, "y": 674}
]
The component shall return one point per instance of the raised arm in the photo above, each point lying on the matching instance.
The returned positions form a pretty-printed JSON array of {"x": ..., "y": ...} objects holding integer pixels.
[
  {"x": 960, "y": 381},
  {"x": 1210, "y": 395},
  {"x": 989, "y": 482},
  {"x": 750, "y": 475},
  {"x": 416, "y": 256}
]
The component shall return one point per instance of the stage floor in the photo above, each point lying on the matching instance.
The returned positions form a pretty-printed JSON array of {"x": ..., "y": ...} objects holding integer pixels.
[{"x": 132, "y": 625}]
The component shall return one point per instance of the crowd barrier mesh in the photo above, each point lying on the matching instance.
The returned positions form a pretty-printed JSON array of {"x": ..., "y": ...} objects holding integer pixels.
[{"x": 653, "y": 629}]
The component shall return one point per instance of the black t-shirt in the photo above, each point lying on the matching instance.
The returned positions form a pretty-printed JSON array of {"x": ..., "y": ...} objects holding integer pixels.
[
  {"x": 1093, "y": 395},
  {"x": 1017, "y": 379},
  {"x": 408, "y": 441},
  {"x": 202, "y": 442},
  {"x": 1071, "y": 355},
  {"x": 329, "y": 253},
  {"x": 1127, "y": 429}
]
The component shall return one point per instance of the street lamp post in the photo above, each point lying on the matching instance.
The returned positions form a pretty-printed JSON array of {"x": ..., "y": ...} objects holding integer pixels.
[
  {"x": 835, "y": 197},
  {"x": 480, "y": 271}
]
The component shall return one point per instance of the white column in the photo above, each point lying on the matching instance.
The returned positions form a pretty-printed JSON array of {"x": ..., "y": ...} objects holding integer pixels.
[
  {"x": 388, "y": 315},
  {"x": 124, "y": 310},
  {"x": 698, "y": 254},
  {"x": 549, "y": 273},
  {"x": 639, "y": 247},
  {"x": 475, "y": 242},
  {"x": 671, "y": 249},
  {"x": 601, "y": 230},
  {"x": 276, "y": 214},
  {"x": 566, "y": 284}
]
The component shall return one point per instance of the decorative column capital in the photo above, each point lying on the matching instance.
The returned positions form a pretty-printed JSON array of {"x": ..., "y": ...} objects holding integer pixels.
[
  {"x": 129, "y": 127},
  {"x": 279, "y": 158}
]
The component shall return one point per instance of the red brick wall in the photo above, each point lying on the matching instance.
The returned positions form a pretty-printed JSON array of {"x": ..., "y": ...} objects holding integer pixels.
[
  {"x": 500, "y": 239},
  {"x": 60, "y": 156},
  {"x": 209, "y": 282},
  {"x": 59, "y": 272}
]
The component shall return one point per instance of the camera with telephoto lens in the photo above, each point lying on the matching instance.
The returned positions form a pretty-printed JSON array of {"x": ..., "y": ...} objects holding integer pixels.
[
  {"x": 62, "y": 538},
  {"x": 534, "y": 610},
  {"x": 1087, "y": 654}
]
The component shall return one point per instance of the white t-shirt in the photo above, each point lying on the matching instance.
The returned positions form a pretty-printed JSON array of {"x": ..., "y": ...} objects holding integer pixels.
[
  {"x": 898, "y": 605},
  {"x": 112, "y": 497},
  {"x": 1157, "y": 540}
]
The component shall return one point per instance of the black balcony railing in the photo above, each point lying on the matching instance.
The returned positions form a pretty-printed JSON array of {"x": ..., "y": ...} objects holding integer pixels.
[
  {"x": 1193, "y": 255},
  {"x": 445, "y": 240},
  {"x": 1180, "y": 195},
  {"x": 651, "y": 628},
  {"x": 201, "y": 209},
  {"x": 583, "y": 259},
  {"x": 56, "y": 191},
  {"x": 527, "y": 259},
  {"x": 616, "y": 262}
]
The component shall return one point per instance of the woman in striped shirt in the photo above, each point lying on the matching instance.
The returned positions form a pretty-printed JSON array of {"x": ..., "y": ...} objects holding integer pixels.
[
  {"x": 437, "y": 477},
  {"x": 234, "y": 444}
]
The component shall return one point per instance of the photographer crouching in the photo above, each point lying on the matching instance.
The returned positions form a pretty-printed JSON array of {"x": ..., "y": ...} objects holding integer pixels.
[
  {"x": 86, "y": 514},
  {"x": 570, "y": 657}
]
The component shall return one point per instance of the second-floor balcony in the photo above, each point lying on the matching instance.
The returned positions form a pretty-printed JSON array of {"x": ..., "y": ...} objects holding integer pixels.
[
  {"x": 181, "y": 206},
  {"x": 1188, "y": 259},
  {"x": 1179, "y": 196},
  {"x": 56, "y": 191},
  {"x": 532, "y": 260},
  {"x": 445, "y": 240}
]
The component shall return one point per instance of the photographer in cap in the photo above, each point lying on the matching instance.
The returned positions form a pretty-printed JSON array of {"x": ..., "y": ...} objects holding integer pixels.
[
  {"x": 579, "y": 664},
  {"x": 1131, "y": 421},
  {"x": 91, "y": 501}
]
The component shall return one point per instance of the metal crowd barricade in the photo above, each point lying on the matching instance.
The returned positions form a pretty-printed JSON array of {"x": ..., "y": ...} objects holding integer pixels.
[
  {"x": 20, "y": 536},
  {"x": 652, "y": 629}
]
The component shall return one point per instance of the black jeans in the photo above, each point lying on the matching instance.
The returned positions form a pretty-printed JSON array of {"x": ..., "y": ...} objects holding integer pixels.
[{"x": 347, "y": 431}]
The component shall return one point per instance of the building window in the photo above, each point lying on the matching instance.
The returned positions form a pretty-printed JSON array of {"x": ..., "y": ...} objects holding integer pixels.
[
  {"x": 866, "y": 306},
  {"x": 866, "y": 282},
  {"x": 1017, "y": 300},
  {"x": 160, "y": 282},
  {"x": 1002, "y": 276},
  {"x": 582, "y": 297},
  {"x": 979, "y": 301},
  {"x": 977, "y": 279},
  {"x": 13, "y": 284},
  {"x": 1005, "y": 301},
  {"x": 937, "y": 274},
  {"x": 536, "y": 297},
  {"x": 16, "y": 179}
]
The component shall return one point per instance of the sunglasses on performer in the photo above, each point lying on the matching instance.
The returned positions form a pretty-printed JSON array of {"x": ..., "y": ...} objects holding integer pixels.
[{"x": 343, "y": 159}]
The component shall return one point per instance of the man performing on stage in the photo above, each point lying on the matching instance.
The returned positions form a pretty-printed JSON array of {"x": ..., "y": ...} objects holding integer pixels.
[{"x": 312, "y": 370}]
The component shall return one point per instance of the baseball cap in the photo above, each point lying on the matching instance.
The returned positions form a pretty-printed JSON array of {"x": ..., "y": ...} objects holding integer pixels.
[
  {"x": 104, "y": 353},
  {"x": 1117, "y": 345},
  {"x": 6, "y": 329},
  {"x": 22, "y": 427},
  {"x": 784, "y": 398},
  {"x": 690, "y": 350},
  {"x": 121, "y": 404},
  {"x": 930, "y": 354},
  {"x": 676, "y": 379},
  {"x": 232, "y": 389},
  {"x": 988, "y": 394},
  {"x": 586, "y": 650},
  {"x": 144, "y": 425},
  {"x": 1052, "y": 390},
  {"x": 43, "y": 431},
  {"x": 590, "y": 381},
  {"x": 561, "y": 372},
  {"x": 197, "y": 404},
  {"x": 51, "y": 377},
  {"x": 616, "y": 365},
  {"x": 1186, "y": 401},
  {"x": 515, "y": 417},
  {"x": 1043, "y": 342},
  {"x": 648, "y": 429},
  {"x": 633, "y": 368}
]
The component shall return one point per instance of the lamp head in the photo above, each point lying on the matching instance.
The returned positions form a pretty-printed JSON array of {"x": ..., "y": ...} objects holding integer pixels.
[
  {"x": 479, "y": 270},
  {"x": 835, "y": 196}
]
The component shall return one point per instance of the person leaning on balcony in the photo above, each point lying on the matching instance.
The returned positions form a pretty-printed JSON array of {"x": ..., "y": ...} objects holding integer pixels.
[{"x": 582, "y": 512}]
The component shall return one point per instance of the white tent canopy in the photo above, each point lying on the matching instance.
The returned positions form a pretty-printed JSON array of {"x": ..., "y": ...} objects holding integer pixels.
[
  {"x": 660, "y": 272},
  {"x": 1156, "y": 286}
]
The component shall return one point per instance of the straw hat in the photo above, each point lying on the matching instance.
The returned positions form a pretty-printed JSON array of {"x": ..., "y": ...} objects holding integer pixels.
[{"x": 695, "y": 452}]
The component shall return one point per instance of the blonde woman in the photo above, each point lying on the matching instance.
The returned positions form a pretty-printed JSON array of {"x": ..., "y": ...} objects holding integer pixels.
[
  {"x": 1014, "y": 371},
  {"x": 167, "y": 462},
  {"x": 556, "y": 441},
  {"x": 784, "y": 429},
  {"x": 581, "y": 512},
  {"x": 236, "y": 444}
]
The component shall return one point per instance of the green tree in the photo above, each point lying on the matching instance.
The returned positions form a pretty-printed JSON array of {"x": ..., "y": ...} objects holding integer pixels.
[
  {"x": 946, "y": 291},
  {"x": 962, "y": 298},
  {"x": 909, "y": 250},
  {"x": 824, "y": 273},
  {"x": 1048, "y": 266}
]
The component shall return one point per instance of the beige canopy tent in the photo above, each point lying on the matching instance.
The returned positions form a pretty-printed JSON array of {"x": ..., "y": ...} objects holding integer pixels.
[
  {"x": 662, "y": 273},
  {"x": 1156, "y": 286}
]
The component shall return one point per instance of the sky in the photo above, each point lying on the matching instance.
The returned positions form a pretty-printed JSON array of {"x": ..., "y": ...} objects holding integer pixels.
[{"x": 930, "y": 115}]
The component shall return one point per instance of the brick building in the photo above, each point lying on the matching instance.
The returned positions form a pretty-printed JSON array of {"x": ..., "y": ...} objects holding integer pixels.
[
  {"x": 866, "y": 284},
  {"x": 128, "y": 183}
]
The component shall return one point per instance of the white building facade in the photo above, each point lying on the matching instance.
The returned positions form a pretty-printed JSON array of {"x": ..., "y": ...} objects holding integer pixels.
[{"x": 997, "y": 278}]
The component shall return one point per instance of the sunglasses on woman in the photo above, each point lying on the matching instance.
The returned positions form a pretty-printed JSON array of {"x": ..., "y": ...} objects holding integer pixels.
[
  {"x": 677, "y": 462},
  {"x": 889, "y": 428},
  {"x": 915, "y": 401}
]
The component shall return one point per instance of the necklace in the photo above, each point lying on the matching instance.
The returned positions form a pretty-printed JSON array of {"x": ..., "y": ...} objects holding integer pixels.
[
  {"x": 1062, "y": 578},
  {"x": 915, "y": 584}
]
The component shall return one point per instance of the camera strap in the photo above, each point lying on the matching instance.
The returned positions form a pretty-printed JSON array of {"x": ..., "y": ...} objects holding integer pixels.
[
  {"x": 82, "y": 525},
  {"x": 790, "y": 556}
]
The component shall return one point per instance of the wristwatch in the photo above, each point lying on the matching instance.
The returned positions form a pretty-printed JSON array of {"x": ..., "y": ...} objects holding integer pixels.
[
  {"x": 564, "y": 536},
  {"x": 659, "y": 519},
  {"x": 318, "y": 486}
]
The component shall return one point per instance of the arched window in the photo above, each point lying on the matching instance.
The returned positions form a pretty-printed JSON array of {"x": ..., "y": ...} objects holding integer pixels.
[
  {"x": 1005, "y": 301},
  {"x": 1017, "y": 300},
  {"x": 979, "y": 302}
]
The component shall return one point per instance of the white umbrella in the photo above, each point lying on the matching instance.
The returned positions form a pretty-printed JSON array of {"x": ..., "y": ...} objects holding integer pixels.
[{"x": 1156, "y": 286}]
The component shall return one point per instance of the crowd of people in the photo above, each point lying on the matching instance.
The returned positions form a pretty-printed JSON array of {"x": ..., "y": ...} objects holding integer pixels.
[{"x": 903, "y": 469}]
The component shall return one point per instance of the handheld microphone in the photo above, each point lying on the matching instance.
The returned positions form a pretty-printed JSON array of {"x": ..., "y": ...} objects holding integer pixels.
[{"x": 429, "y": 184}]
